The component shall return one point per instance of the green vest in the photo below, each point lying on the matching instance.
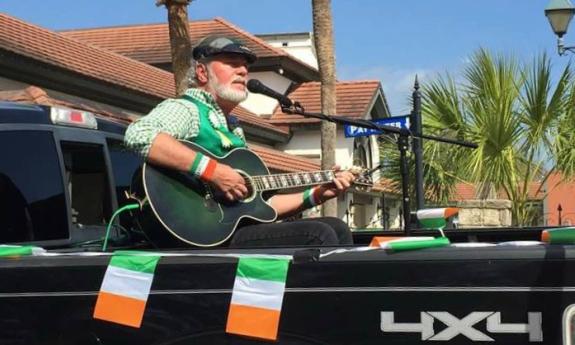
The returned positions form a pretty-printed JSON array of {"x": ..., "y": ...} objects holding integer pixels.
[{"x": 217, "y": 141}]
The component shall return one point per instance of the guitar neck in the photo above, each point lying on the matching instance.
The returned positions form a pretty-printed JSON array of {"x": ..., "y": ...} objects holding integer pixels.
[{"x": 292, "y": 180}]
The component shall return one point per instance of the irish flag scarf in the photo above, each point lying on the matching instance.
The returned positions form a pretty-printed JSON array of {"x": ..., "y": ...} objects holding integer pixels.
[
  {"x": 257, "y": 297},
  {"x": 125, "y": 289}
]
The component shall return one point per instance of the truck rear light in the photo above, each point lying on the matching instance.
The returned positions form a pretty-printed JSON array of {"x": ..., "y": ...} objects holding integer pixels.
[{"x": 71, "y": 117}]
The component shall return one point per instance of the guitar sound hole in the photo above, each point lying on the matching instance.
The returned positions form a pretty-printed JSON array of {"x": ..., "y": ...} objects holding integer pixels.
[{"x": 250, "y": 184}]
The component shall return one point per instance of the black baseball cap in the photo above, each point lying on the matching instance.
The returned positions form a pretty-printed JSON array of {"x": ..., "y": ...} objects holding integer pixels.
[{"x": 214, "y": 45}]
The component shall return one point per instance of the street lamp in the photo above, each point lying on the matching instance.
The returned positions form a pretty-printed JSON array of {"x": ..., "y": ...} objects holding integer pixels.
[{"x": 559, "y": 13}]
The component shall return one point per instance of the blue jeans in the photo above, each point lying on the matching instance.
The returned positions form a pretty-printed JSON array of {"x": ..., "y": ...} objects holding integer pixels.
[{"x": 324, "y": 231}]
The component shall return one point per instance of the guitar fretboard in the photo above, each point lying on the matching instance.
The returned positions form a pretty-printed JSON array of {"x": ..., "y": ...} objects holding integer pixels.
[{"x": 300, "y": 179}]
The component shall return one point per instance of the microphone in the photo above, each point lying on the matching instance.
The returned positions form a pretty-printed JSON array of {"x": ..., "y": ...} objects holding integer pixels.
[{"x": 256, "y": 86}]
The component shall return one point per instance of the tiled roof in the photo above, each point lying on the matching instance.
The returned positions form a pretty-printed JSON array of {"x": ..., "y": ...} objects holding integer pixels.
[
  {"x": 353, "y": 100},
  {"x": 151, "y": 43},
  {"x": 59, "y": 51},
  {"x": 385, "y": 185},
  {"x": 284, "y": 162},
  {"x": 466, "y": 191},
  {"x": 46, "y": 46}
]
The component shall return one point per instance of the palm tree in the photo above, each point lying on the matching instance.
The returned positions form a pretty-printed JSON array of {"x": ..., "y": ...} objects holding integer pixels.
[
  {"x": 179, "y": 41},
  {"x": 521, "y": 122},
  {"x": 323, "y": 40}
]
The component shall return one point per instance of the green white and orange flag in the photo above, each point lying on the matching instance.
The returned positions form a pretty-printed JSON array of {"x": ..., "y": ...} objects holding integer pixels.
[
  {"x": 435, "y": 218},
  {"x": 125, "y": 289},
  {"x": 398, "y": 244},
  {"x": 11, "y": 251},
  {"x": 257, "y": 297}
]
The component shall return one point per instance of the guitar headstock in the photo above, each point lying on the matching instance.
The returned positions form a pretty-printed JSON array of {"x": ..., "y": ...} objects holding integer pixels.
[
  {"x": 363, "y": 181},
  {"x": 357, "y": 170},
  {"x": 364, "y": 184}
]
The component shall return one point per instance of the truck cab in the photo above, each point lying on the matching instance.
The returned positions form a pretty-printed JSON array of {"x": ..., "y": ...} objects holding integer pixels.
[{"x": 62, "y": 174}]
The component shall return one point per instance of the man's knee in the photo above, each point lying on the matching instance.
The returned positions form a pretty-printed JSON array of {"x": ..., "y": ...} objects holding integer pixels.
[
  {"x": 322, "y": 234},
  {"x": 341, "y": 229},
  {"x": 336, "y": 223}
]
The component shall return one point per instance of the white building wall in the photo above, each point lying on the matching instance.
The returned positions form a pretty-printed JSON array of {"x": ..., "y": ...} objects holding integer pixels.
[
  {"x": 260, "y": 104},
  {"x": 308, "y": 144},
  {"x": 304, "y": 54},
  {"x": 299, "y": 46}
]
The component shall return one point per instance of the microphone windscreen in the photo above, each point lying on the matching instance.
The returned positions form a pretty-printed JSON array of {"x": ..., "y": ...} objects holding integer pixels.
[{"x": 254, "y": 85}]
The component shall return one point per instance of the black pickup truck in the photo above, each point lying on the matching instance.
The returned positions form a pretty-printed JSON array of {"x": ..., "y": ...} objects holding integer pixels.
[{"x": 63, "y": 173}]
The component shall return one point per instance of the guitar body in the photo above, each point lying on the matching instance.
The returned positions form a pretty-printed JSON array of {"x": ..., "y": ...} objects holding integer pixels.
[{"x": 191, "y": 212}]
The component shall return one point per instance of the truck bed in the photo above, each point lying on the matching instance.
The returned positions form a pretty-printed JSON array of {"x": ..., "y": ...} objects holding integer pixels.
[{"x": 459, "y": 295}]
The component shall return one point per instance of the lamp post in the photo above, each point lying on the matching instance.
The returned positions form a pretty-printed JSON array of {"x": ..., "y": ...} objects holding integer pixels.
[{"x": 559, "y": 14}]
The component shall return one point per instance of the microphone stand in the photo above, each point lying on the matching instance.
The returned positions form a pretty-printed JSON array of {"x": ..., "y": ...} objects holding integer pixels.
[{"x": 402, "y": 144}]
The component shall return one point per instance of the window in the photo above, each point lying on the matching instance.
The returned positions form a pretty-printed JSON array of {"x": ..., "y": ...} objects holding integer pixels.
[
  {"x": 125, "y": 165},
  {"x": 32, "y": 201},
  {"x": 359, "y": 153},
  {"x": 87, "y": 183}
]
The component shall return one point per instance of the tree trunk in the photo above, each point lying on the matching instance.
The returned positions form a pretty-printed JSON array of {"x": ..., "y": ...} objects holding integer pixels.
[
  {"x": 180, "y": 44},
  {"x": 323, "y": 40}
]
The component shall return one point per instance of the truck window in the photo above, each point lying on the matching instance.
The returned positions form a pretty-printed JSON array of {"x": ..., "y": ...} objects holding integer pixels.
[
  {"x": 32, "y": 201},
  {"x": 87, "y": 183},
  {"x": 125, "y": 163}
]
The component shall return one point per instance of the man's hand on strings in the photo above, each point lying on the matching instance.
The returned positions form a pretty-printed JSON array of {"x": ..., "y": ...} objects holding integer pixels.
[
  {"x": 231, "y": 184},
  {"x": 342, "y": 181}
]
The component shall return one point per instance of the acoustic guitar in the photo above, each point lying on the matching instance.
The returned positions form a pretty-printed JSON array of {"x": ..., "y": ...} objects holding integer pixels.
[{"x": 192, "y": 212}]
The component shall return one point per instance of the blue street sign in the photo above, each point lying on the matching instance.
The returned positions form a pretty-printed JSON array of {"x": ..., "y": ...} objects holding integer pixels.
[{"x": 394, "y": 121}]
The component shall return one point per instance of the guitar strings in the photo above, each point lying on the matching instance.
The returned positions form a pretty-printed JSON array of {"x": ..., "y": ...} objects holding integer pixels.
[{"x": 278, "y": 181}]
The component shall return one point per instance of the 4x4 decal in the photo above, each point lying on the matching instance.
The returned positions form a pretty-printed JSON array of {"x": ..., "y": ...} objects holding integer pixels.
[{"x": 464, "y": 326}]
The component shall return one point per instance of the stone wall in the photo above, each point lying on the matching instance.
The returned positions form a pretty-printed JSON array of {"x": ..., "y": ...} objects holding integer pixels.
[{"x": 484, "y": 213}]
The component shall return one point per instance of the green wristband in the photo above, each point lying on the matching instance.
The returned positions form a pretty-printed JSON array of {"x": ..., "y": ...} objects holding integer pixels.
[
  {"x": 308, "y": 198},
  {"x": 196, "y": 164}
]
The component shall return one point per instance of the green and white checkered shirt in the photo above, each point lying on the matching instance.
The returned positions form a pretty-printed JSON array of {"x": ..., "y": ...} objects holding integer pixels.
[{"x": 177, "y": 117}]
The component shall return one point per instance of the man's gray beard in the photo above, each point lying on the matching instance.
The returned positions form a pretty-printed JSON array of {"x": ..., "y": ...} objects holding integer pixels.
[
  {"x": 225, "y": 92},
  {"x": 230, "y": 94}
]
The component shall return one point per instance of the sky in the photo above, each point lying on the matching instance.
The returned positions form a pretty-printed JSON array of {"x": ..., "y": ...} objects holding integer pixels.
[{"x": 386, "y": 40}]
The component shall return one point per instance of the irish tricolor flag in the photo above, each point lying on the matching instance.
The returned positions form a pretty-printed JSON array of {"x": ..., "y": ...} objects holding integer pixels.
[
  {"x": 125, "y": 289},
  {"x": 257, "y": 297},
  {"x": 435, "y": 218},
  {"x": 15, "y": 251},
  {"x": 398, "y": 244}
]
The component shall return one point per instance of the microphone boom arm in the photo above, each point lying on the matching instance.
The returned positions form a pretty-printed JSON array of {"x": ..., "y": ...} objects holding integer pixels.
[
  {"x": 402, "y": 140},
  {"x": 297, "y": 109}
]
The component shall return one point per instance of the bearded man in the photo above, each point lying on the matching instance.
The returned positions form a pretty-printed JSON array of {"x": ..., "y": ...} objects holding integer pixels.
[{"x": 218, "y": 84}]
